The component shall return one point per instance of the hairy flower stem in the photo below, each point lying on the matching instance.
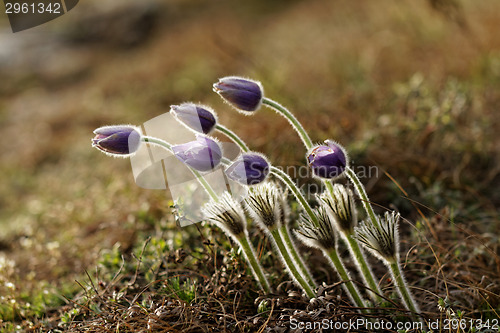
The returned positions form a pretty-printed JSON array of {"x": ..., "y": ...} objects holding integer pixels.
[
  {"x": 363, "y": 267},
  {"x": 288, "y": 115},
  {"x": 362, "y": 194},
  {"x": 164, "y": 144},
  {"x": 285, "y": 178},
  {"x": 243, "y": 240},
  {"x": 285, "y": 234},
  {"x": 290, "y": 264},
  {"x": 400, "y": 283},
  {"x": 255, "y": 266},
  {"x": 351, "y": 289},
  {"x": 230, "y": 134}
]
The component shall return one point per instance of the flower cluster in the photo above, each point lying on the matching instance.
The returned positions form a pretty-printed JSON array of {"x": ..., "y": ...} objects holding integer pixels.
[{"x": 334, "y": 217}]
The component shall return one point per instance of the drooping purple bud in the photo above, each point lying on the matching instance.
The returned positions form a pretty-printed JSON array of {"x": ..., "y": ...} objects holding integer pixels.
[
  {"x": 119, "y": 140},
  {"x": 199, "y": 118},
  {"x": 249, "y": 169},
  {"x": 242, "y": 94},
  {"x": 328, "y": 160},
  {"x": 203, "y": 154}
]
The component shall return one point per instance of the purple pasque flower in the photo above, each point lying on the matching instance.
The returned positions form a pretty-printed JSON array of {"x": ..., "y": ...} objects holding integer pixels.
[
  {"x": 119, "y": 140},
  {"x": 243, "y": 94},
  {"x": 199, "y": 118},
  {"x": 249, "y": 169},
  {"x": 328, "y": 160},
  {"x": 203, "y": 154}
]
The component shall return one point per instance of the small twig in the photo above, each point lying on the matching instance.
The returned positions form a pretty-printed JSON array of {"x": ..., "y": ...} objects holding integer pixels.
[{"x": 139, "y": 261}]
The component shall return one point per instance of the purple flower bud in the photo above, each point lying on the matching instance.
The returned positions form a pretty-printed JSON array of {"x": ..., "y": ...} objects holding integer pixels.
[
  {"x": 199, "y": 118},
  {"x": 243, "y": 94},
  {"x": 328, "y": 160},
  {"x": 249, "y": 169},
  {"x": 203, "y": 154},
  {"x": 120, "y": 140}
]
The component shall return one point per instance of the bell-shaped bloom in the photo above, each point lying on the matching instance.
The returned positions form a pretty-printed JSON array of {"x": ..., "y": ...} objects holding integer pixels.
[
  {"x": 340, "y": 205},
  {"x": 321, "y": 236},
  {"x": 383, "y": 241},
  {"x": 264, "y": 205},
  {"x": 243, "y": 94},
  {"x": 249, "y": 169},
  {"x": 203, "y": 154},
  {"x": 328, "y": 160},
  {"x": 119, "y": 140},
  {"x": 198, "y": 118},
  {"x": 228, "y": 214}
]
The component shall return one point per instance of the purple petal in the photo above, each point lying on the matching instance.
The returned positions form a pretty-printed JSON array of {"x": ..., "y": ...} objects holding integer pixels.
[
  {"x": 248, "y": 169},
  {"x": 195, "y": 117},
  {"x": 243, "y": 94},
  {"x": 204, "y": 154},
  {"x": 118, "y": 140},
  {"x": 327, "y": 161}
]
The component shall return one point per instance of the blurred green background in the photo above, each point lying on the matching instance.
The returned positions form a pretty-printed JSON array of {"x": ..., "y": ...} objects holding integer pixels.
[{"x": 412, "y": 87}]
